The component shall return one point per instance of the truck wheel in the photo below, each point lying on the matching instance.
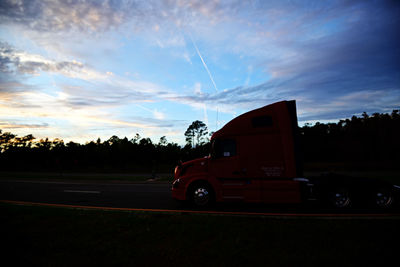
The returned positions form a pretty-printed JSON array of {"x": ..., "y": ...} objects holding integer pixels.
[
  {"x": 383, "y": 198},
  {"x": 201, "y": 195},
  {"x": 340, "y": 198}
]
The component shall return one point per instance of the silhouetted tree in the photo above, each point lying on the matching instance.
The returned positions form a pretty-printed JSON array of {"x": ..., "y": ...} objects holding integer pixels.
[
  {"x": 136, "y": 139},
  {"x": 163, "y": 141},
  {"x": 196, "y": 133}
]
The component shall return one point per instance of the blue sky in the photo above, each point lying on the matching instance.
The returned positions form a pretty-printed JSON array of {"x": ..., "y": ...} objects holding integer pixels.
[{"x": 79, "y": 70}]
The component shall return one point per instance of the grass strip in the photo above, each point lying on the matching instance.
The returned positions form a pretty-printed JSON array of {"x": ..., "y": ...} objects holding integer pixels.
[{"x": 50, "y": 236}]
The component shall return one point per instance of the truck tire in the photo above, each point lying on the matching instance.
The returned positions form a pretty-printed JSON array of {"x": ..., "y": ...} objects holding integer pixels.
[
  {"x": 201, "y": 195},
  {"x": 383, "y": 198},
  {"x": 339, "y": 198}
]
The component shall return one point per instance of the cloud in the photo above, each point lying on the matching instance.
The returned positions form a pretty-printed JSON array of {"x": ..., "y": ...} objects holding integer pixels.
[
  {"x": 13, "y": 61},
  {"x": 103, "y": 15},
  {"x": 350, "y": 67},
  {"x": 101, "y": 89},
  {"x": 49, "y": 15},
  {"x": 337, "y": 59},
  {"x": 158, "y": 115},
  {"x": 8, "y": 125},
  {"x": 351, "y": 103},
  {"x": 79, "y": 106}
]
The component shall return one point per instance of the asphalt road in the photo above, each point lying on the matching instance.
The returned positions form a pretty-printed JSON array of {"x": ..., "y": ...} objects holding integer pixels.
[
  {"x": 124, "y": 195},
  {"x": 137, "y": 195}
]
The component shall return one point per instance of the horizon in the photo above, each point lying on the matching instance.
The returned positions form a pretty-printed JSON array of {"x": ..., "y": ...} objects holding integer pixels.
[
  {"x": 155, "y": 142},
  {"x": 94, "y": 69}
]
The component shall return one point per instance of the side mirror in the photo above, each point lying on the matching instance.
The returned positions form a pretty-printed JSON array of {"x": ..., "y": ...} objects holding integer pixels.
[{"x": 212, "y": 155}]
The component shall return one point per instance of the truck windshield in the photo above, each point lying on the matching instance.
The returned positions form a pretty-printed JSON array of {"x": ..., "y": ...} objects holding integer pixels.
[{"x": 223, "y": 148}]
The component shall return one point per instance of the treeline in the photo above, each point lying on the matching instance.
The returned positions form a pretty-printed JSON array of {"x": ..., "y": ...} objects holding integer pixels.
[
  {"x": 113, "y": 155},
  {"x": 366, "y": 141},
  {"x": 370, "y": 140}
]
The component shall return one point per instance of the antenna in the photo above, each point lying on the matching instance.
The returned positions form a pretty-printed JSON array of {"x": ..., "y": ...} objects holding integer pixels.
[{"x": 216, "y": 123}]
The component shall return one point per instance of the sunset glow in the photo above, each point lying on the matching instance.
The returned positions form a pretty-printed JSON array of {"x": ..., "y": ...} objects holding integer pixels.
[{"x": 79, "y": 70}]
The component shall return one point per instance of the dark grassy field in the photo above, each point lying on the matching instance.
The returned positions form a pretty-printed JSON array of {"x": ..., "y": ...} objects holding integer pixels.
[{"x": 46, "y": 236}]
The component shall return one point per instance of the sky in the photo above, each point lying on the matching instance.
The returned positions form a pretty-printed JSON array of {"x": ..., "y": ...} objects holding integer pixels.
[{"x": 81, "y": 70}]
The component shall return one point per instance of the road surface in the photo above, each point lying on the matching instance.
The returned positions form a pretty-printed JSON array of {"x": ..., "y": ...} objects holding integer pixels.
[
  {"x": 127, "y": 195},
  {"x": 146, "y": 195}
]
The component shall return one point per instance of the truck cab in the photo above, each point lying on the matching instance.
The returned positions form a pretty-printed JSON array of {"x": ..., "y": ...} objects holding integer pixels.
[{"x": 254, "y": 158}]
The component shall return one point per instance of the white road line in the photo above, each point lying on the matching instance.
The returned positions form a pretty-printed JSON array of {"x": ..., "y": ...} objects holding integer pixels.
[{"x": 81, "y": 191}]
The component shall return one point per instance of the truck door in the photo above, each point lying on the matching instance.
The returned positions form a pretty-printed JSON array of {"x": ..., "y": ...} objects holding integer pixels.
[
  {"x": 263, "y": 158},
  {"x": 230, "y": 174}
]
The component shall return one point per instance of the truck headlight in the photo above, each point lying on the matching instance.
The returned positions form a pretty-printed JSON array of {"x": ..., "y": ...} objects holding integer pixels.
[
  {"x": 176, "y": 170},
  {"x": 176, "y": 183}
]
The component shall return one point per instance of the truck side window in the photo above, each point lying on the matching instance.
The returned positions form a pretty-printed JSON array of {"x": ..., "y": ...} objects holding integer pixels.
[
  {"x": 261, "y": 121},
  {"x": 224, "y": 148}
]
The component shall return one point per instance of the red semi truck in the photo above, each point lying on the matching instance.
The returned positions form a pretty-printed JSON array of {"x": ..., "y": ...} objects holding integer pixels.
[{"x": 256, "y": 157}]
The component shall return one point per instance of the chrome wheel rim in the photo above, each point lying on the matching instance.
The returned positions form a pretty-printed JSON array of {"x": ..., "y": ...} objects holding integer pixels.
[
  {"x": 383, "y": 199},
  {"x": 341, "y": 199},
  {"x": 201, "y": 196}
]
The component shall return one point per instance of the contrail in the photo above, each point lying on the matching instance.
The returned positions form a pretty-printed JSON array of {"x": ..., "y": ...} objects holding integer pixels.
[
  {"x": 209, "y": 74},
  {"x": 204, "y": 63}
]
